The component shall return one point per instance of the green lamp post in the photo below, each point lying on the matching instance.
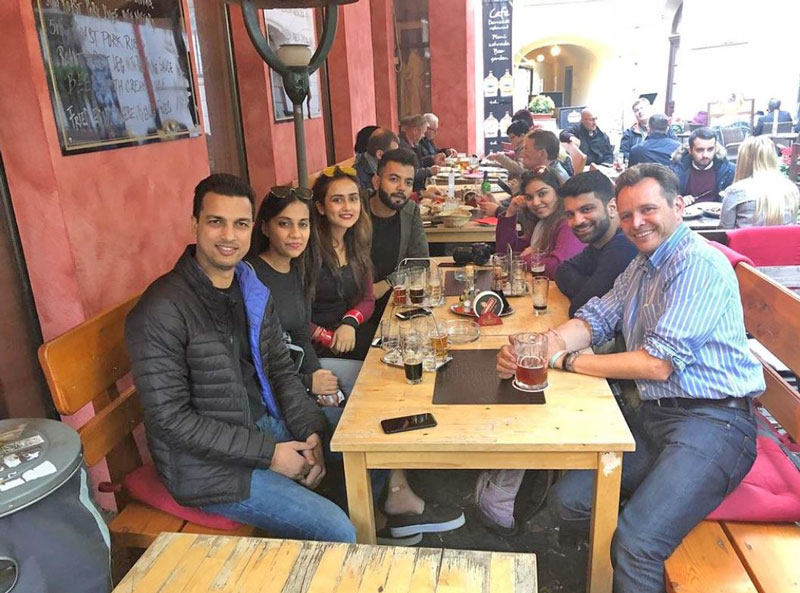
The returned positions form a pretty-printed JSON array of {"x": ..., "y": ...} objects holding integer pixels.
[{"x": 294, "y": 62}]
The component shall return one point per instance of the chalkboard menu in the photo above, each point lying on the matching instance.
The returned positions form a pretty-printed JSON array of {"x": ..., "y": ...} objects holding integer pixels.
[
  {"x": 118, "y": 72},
  {"x": 498, "y": 79}
]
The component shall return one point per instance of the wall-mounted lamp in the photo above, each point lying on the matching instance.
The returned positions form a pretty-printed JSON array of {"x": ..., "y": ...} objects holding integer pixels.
[
  {"x": 540, "y": 58},
  {"x": 294, "y": 62}
]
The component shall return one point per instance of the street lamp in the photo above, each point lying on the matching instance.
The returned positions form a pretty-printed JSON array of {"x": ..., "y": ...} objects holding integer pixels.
[{"x": 294, "y": 62}]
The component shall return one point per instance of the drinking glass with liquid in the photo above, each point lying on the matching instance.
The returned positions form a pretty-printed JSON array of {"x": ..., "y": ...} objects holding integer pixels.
[
  {"x": 400, "y": 289},
  {"x": 537, "y": 262},
  {"x": 417, "y": 281},
  {"x": 435, "y": 287},
  {"x": 530, "y": 350},
  {"x": 540, "y": 286},
  {"x": 413, "y": 354}
]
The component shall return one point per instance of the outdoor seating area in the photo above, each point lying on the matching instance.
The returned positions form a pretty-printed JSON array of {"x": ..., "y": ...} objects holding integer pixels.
[{"x": 371, "y": 295}]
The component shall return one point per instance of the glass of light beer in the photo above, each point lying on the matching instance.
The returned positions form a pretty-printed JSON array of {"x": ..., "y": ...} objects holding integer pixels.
[
  {"x": 540, "y": 286},
  {"x": 530, "y": 350}
]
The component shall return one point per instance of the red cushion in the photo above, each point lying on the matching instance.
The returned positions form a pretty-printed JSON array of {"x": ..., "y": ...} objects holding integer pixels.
[
  {"x": 768, "y": 245},
  {"x": 734, "y": 257},
  {"x": 770, "y": 492},
  {"x": 144, "y": 485}
]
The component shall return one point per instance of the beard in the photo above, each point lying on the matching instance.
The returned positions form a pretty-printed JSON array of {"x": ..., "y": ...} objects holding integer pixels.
[
  {"x": 386, "y": 198},
  {"x": 600, "y": 229}
]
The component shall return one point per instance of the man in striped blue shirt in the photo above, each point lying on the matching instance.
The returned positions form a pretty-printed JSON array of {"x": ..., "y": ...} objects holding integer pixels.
[{"x": 677, "y": 304}]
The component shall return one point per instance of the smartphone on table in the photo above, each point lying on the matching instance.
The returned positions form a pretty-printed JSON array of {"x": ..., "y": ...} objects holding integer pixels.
[{"x": 405, "y": 423}]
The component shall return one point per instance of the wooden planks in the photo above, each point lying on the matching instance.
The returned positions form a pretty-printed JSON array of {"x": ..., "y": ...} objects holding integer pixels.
[
  {"x": 187, "y": 563},
  {"x": 88, "y": 359},
  {"x": 706, "y": 562},
  {"x": 770, "y": 553}
]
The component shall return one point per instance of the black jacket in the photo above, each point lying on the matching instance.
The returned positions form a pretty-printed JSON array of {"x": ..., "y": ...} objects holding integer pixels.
[
  {"x": 657, "y": 148},
  {"x": 422, "y": 163},
  {"x": 597, "y": 148},
  {"x": 201, "y": 435}
]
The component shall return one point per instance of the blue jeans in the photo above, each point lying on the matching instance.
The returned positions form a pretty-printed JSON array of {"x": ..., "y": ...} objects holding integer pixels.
[
  {"x": 282, "y": 507},
  {"x": 686, "y": 461}
]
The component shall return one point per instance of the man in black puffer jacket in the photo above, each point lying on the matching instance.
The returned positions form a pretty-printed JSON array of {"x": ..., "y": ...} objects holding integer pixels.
[{"x": 229, "y": 425}]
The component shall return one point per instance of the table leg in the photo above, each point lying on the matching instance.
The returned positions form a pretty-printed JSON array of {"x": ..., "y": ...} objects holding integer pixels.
[
  {"x": 604, "y": 521},
  {"x": 359, "y": 496}
]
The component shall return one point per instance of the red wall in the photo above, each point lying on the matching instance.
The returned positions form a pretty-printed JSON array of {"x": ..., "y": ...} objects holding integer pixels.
[
  {"x": 350, "y": 72},
  {"x": 96, "y": 227},
  {"x": 383, "y": 43},
  {"x": 453, "y": 72},
  {"x": 271, "y": 157}
]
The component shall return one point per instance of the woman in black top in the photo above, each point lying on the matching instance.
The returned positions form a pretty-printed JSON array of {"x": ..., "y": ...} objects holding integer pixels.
[
  {"x": 341, "y": 268},
  {"x": 278, "y": 254}
]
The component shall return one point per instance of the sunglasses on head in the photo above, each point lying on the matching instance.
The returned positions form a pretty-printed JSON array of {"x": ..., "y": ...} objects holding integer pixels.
[
  {"x": 331, "y": 171},
  {"x": 282, "y": 192}
]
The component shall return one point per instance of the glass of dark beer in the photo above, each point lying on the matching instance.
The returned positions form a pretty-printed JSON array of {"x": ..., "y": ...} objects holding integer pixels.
[
  {"x": 413, "y": 346},
  {"x": 540, "y": 286},
  {"x": 530, "y": 349},
  {"x": 417, "y": 283}
]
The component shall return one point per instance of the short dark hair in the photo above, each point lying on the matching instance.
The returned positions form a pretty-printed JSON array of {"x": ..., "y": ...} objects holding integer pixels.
[
  {"x": 381, "y": 139},
  {"x": 670, "y": 185},
  {"x": 398, "y": 155},
  {"x": 658, "y": 122},
  {"x": 518, "y": 128},
  {"x": 547, "y": 140},
  {"x": 523, "y": 115},
  {"x": 774, "y": 104},
  {"x": 413, "y": 121},
  {"x": 703, "y": 134},
  {"x": 593, "y": 182},
  {"x": 362, "y": 138},
  {"x": 225, "y": 185}
]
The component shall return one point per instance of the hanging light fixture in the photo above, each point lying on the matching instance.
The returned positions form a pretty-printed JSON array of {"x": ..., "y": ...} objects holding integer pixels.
[
  {"x": 294, "y": 62},
  {"x": 555, "y": 51},
  {"x": 540, "y": 58}
]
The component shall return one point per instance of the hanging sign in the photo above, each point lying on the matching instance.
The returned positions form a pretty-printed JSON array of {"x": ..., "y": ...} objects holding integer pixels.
[{"x": 498, "y": 80}]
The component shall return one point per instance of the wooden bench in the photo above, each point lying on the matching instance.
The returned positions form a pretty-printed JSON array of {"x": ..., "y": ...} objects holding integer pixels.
[
  {"x": 184, "y": 563},
  {"x": 89, "y": 364},
  {"x": 729, "y": 556}
]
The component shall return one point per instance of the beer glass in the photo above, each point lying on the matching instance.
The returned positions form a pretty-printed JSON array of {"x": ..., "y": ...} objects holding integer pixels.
[
  {"x": 537, "y": 262},
  {"x": 540, "y": 285},
  {"x": 435, "y": 287},
  {"x": 417, "y": 281},
  {"x": 517, "y": 276},
  {"x": 400, "y": 289},
  {"x": 412, "y": 356},
  {"x": 530, "y": 350},
  {"x": 390, "y": 340},
  {"x": 499, "y": 272}
]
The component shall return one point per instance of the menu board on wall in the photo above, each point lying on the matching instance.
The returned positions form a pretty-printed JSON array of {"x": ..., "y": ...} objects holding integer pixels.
[
  {"x": 498, "y": 81},
  {"x": 118, "y": 72}
]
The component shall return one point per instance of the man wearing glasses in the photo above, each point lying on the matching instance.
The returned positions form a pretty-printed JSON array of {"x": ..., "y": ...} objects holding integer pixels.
[
  {"x": 229, "y": 425},
  {"x": 427, "y": 146}
]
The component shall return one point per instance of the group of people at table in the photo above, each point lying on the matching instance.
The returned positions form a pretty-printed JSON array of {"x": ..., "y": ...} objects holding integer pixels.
[{"x": 245, "y": 352}]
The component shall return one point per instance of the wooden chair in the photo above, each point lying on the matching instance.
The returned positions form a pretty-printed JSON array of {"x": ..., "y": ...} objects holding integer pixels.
[
  {"x": 723, "y": 556},
  {"x": 732, "y": 138},
  {"x": 87, "y": 365}
]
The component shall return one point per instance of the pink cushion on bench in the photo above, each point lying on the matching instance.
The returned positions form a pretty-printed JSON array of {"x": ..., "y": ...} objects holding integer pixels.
[
  {"x": 770, "y": 492},
  {"x": 734, "y": 257},
  {"x": 144, "y": 485}
]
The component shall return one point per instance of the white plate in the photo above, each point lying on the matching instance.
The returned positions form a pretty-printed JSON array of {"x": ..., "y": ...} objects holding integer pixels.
[
  {"x": 694, "y": 211},
  {"x": 711, "y": 209}
]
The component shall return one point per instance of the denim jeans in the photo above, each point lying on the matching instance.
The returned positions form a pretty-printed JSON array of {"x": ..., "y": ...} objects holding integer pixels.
[
  {"x": 686, "y": 461},
  {"x": 282, "y": 507}
]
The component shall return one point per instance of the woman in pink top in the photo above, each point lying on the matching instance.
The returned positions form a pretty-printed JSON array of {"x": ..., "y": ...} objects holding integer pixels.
[{"x": 540, "y": 212}]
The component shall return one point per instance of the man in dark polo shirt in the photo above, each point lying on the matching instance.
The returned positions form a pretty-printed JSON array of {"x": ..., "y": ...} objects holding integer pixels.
[{"x": 703, "y": 171}]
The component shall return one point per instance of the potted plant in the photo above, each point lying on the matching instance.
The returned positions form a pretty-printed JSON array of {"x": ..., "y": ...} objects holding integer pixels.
[{"x": 542, "y": 106}]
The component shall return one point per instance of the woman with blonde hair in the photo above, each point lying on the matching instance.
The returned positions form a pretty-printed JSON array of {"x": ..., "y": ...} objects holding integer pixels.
[{"x": 760, "y": 194}]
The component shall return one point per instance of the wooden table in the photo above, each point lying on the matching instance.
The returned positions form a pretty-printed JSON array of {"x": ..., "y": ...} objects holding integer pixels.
[
  {"x": 472, "y": 232},
  {"x": 188, "y": 563},
  {"x": 786, "y": 276},
  {"x": 580, "y": 427}
]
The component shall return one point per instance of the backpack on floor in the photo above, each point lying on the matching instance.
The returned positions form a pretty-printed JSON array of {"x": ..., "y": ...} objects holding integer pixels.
[{"x": 510, "y": 497}]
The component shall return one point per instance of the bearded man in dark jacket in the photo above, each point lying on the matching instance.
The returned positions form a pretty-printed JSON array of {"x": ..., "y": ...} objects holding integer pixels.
[{"x": 230, "y": 427}]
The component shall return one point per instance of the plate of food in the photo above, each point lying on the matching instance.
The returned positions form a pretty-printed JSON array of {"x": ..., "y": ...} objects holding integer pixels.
[
  {"x": 711, "y": 209},
  {"x": 694, "y": 211}
]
